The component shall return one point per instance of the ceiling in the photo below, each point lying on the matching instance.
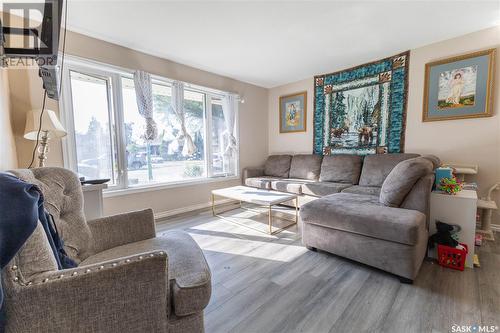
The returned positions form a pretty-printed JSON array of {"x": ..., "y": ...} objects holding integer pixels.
[{"x": 273, "y": 43}]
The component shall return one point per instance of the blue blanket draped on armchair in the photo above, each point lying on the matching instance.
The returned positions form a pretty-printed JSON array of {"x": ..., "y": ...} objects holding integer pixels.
[
  {"x": 18, "y": 220},
  {"x": 21, "y": 207}
]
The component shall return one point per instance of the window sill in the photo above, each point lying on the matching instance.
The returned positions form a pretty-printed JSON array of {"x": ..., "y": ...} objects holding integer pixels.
[{"x": 158, "y": 187}]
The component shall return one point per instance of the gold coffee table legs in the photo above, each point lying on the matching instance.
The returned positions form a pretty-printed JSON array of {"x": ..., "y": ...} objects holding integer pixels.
[{"x": 269, "y": 213}]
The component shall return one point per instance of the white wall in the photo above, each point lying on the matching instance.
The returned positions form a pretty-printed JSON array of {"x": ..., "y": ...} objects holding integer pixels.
[
  {"x": 475, "y": 141},
  {"x": 8, "y": 158},
  {"x": 301, "y": 142}
]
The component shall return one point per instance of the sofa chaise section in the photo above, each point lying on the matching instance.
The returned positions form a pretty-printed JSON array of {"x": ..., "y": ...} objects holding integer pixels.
[
  {"x": 388, "y": 231},
  {"x": 364, "y": 215}
]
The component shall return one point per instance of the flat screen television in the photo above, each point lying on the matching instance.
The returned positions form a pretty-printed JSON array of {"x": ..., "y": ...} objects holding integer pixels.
[{"x": 23, "y": 39}]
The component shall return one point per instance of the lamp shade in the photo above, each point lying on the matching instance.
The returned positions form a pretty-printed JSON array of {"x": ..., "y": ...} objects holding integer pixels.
[{"x": 50, "y": 123}]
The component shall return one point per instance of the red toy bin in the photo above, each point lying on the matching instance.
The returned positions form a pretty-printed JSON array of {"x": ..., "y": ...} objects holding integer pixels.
[{"x": 451, "y": 257}]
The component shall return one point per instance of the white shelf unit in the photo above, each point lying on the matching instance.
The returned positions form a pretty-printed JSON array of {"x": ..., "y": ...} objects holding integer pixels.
[{"x": 457, "y": 209}]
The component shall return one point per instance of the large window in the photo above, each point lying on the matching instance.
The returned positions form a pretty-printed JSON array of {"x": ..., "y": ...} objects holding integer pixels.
[{"x": 107, "y": 132}]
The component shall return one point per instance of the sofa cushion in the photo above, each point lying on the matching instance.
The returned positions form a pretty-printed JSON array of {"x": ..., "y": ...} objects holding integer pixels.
[
  {"x": 305, "y": 166},
  {"x": 341, "y": 169},
  {"x": 320, "y": 189},
  {"x": 365, "y": 190},
  {"x": 188, "y": 271},
  {"x": 63, "y": 196},
  {"x": 363, "y": 214},
  {"x": 259, "y": 182},
  {"x": 277, "y": 166},
  {"x": 402, "y": 178},
  {"x": 377, "y": 167},
  {"x": 288, "y": 185}
]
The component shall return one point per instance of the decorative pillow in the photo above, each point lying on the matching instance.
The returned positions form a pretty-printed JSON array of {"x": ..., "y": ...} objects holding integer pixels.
[
  {"x": 305, "y": 166},
  {"x": 341, "y": 169},
  {"x": 277, "y": 166},
  {"x": 401, "y": 180}
]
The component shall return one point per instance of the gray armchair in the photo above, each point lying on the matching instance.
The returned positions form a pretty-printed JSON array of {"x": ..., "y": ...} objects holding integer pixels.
[{"x": 128, "y": 278}]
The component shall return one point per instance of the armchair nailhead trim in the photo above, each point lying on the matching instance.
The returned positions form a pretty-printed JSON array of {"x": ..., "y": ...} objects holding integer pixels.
[{"x": 87, "y": 270}]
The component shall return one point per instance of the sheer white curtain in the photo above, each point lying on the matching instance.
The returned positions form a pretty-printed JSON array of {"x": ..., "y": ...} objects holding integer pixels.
[
  {"x": 144, "y": 96},
  {"x": 229, "y": 110},
  {"x": 178, "y": 107}
]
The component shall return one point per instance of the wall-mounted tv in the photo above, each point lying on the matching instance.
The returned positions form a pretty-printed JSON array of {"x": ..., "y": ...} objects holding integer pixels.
[{"x": 30, "y": 32}]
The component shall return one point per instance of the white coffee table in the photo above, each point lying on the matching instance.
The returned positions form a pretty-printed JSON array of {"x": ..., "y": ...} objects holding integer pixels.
[{"x": 267, "y": 198}]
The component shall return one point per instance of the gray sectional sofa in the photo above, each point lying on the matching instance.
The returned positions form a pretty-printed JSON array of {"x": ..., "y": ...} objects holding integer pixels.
[{"x": 373, "y": 210}]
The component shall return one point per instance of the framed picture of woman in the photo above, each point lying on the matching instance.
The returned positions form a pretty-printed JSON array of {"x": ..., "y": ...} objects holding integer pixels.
[
  {"x": 293, "y": 112},
  {"x": 459, "y": 87}
]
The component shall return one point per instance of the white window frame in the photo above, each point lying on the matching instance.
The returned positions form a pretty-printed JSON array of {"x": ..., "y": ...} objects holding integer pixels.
[{"x": 113, "y": 75}]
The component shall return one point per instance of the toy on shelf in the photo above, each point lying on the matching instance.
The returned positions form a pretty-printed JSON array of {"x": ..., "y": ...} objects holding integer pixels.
[
  {"x": 442, "y": 172},
  {"x": 487, "y": 206},
  {"x": 461, "y": 170},
  {"x": 450, "y": 185}
]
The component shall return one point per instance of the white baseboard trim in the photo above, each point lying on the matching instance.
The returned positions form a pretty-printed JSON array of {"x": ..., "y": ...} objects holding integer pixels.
[
  {"x": 187, "y": 209},
  {"x": 495, "y": 227}
]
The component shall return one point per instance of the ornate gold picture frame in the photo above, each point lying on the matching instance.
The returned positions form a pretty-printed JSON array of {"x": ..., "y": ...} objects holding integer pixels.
[{"x": 459, "y": 87}]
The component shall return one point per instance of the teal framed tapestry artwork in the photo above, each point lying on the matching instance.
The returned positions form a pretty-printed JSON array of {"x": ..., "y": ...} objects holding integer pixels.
[
  {"x": 293, "y": 112},
  {"x": 362, "y": 110},
  {"x": 459, "y": 87}
]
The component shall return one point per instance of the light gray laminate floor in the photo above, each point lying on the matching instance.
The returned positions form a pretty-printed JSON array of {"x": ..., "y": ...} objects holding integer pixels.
[{"x": 267, "y": 283}]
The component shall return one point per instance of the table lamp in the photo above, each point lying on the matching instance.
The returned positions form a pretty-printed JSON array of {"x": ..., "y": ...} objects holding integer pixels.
[{"x": 51, "y": 128}]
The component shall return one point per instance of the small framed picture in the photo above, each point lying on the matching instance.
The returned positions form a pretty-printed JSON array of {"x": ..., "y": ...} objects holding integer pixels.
[
  {"x": 459, "y": 87},
  {"x": 293, "y": 112}
]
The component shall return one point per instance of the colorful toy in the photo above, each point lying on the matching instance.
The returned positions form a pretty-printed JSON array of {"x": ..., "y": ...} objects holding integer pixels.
[
  {"x": 450, "y": 185},
  {"x": 442, "y": 172}
]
